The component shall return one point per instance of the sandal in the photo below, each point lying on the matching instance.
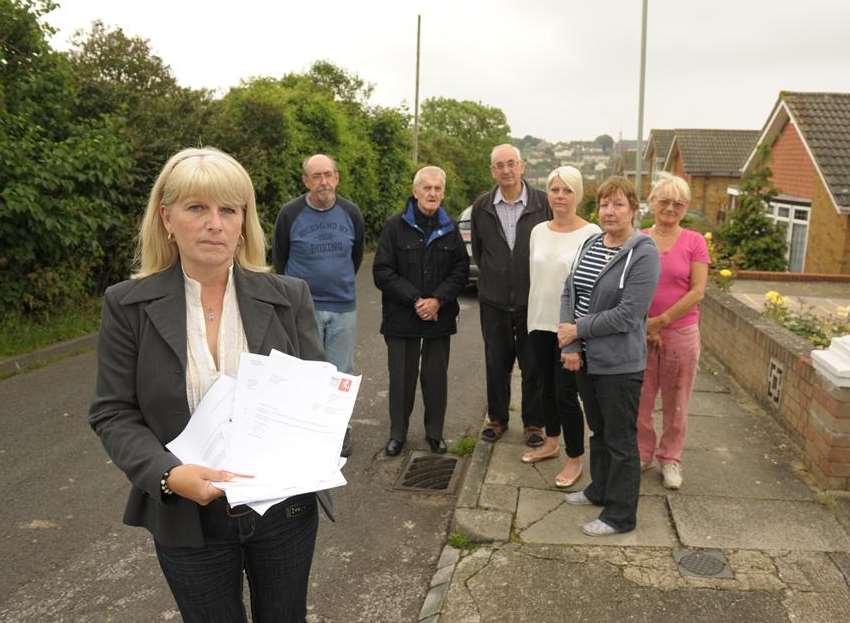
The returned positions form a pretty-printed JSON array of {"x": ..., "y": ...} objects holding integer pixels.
[
  {"x": 493, "y": 431},
  {"x": 533, "y": 436},
  {"x": 566, "y": 483},
  {"x": 536, "y": 456}
]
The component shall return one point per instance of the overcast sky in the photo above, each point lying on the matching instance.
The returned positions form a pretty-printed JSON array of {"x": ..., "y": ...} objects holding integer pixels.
[{"x": 560, "y": 69}]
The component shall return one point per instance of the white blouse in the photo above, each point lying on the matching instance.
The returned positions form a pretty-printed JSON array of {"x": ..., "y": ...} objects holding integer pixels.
[
  {"x": 550, "y": 257},
  {"x": 201, "y": 372}
]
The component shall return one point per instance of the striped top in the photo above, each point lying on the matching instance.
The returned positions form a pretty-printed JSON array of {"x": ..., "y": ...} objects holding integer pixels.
[{"x": 587, "y": 272}]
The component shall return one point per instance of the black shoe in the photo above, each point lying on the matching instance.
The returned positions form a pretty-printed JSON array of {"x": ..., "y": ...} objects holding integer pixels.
[
  {"x": 346, "y": 444},
  {"x": 438, "y": 446},
  {"x": 393, "y": 447}
]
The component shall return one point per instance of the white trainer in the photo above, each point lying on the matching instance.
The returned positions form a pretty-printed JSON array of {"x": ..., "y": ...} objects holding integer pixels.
[
  {"x": 672, "y": 474},
  {"x": 597, "y": 527},
  {"x": 577, "y": 498}
]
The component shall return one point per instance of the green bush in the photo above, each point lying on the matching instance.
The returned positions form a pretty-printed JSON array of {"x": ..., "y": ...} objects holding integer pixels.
[{"x": 749, "y": 240}]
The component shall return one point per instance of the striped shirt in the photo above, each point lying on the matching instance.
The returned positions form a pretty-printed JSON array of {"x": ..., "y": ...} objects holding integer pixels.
[
  {"x": 509, "y": 213},
  {"x": 587, "y": 272}
]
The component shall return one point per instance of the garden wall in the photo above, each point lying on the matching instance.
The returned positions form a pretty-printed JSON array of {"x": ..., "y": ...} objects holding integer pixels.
[{"x": 775, "y": 367}]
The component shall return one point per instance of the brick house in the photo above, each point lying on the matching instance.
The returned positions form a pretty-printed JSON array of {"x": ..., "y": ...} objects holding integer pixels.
[
  {"x": 809, "y": 135},
  {"x": 655, "y": 151},
  {"x": 710, "y": 161},
  {"x": 625, "y": 164}
]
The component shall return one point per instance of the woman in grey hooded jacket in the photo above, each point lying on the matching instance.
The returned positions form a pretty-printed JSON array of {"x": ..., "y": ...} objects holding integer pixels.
[{"x": 603, "y": 336}]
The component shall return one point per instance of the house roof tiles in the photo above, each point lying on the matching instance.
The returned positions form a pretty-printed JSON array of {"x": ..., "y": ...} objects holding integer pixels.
[
  {"x": 662, "y": 139},
  {"x": 824, "y": 121},
  {"x": 715, "y": 152}
]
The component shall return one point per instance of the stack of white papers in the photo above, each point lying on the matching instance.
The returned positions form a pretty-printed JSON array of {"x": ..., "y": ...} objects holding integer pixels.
[{"x": 282, "y": 421}]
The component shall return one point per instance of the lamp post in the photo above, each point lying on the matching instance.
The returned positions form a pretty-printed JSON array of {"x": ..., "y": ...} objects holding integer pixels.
[
  {"x": 638, "y": 152},
  {"x": 416, "y": 97}
]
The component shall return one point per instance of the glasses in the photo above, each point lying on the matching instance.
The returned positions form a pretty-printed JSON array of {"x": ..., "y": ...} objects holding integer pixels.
[
  {"x": 501, "y": 166},
  {"x": 666, "y": 203}
]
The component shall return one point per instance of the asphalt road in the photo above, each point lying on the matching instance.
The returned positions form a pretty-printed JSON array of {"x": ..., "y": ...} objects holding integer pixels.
[{"x": 66, "y": 556}]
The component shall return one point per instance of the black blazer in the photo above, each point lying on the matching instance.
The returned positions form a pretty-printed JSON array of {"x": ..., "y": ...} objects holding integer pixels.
[
  {"x": 140, "y": 402},
  {"x": 503, "y": 274}
]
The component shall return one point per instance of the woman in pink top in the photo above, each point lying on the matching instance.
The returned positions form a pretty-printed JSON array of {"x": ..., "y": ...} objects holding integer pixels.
[{"x": 672, "y": 329}]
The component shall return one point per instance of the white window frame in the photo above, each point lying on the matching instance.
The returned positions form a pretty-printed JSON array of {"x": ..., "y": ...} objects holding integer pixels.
[{"x": 772, "y": 212}]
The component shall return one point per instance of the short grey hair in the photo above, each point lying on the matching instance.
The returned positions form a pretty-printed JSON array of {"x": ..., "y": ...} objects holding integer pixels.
[
  {"x": 307, "y": 160},
  {"x": 514, "y": 147},
  {"x": 429, "y": 170},
  {"x": 673, "y": 184}
]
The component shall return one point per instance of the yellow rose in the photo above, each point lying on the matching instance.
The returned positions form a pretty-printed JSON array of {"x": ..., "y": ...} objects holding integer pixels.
[
  {"x": 771, "y": 296},
  {"x": 708, "y": 236},
  {"x": 725, "y": 273}
]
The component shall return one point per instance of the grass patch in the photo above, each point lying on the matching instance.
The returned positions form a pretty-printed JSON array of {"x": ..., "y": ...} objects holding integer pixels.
[
  {"x": 460, "y": 541},
  {"x": 463, "y": 446},
  {"x": 21, "y": 334}
]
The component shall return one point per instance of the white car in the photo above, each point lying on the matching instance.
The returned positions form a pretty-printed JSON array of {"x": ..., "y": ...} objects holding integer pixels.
[{"x": 464, "y": 224}]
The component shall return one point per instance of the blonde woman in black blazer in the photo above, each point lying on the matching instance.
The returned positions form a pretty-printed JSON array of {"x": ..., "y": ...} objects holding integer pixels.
[{"x": 201, "y": 235}]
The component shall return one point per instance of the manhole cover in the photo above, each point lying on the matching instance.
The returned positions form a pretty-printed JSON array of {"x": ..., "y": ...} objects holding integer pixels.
[
  {"x": 434, "y": 473},
  {"x": 705, "y": 564}
]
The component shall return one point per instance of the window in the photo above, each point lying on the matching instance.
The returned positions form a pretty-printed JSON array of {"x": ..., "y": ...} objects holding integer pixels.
[{"x": 795, "y": 218}]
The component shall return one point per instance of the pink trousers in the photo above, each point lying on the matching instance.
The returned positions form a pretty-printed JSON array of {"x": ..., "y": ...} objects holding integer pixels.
[{"x": 672, "y": 369}]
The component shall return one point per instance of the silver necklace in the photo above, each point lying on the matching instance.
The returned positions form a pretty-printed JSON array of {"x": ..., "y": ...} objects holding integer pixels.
[{"x": 210, "y": 314}]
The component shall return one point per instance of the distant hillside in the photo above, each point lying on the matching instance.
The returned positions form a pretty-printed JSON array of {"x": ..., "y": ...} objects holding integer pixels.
[{"x": 592, "y": 158}]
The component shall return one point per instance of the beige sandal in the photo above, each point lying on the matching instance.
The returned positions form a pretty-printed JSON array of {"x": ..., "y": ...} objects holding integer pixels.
[
  {"x": 536, "y": 456},
  {"x": 564, "y": 483}
]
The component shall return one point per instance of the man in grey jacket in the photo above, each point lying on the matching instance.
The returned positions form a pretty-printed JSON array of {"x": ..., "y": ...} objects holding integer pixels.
[{"x": 502, "y": 220}]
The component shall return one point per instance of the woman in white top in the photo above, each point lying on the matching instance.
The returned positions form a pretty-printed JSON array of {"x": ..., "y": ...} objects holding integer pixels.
[{"x": 554, "y": 246}]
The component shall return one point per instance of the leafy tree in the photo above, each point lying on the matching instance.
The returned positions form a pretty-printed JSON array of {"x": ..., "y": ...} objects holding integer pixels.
[
  {"x": 459, "y": 136},
  {"x": 272, "y": 125},
  {"x": 605, "y": 142},
  {"x": 749, "y": 240},
  {"x": 60, "y": 176},
  {"x": 120, "y": 76}
]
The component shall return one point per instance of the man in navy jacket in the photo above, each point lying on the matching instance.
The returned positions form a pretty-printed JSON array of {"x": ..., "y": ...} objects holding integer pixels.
[{"x": 421, "y": 266}]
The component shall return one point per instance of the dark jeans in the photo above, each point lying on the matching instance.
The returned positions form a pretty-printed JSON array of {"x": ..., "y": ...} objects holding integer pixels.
[
  {"x": 505, "y": 340},
  {"x": 611, "y": 403},
  {"x": 403, "y": 356},
  {"x": 561, "y": 408},
  {"x": 275, "y": 551}
]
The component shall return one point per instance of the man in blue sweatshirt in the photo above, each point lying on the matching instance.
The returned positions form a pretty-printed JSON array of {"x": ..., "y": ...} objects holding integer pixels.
[{"x": 318, "y": 237}]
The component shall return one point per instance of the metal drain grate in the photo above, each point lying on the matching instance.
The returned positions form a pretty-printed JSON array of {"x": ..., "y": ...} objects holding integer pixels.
[
  {"x": 432, "y": 473},
  {"x": 703, "y": 564}
]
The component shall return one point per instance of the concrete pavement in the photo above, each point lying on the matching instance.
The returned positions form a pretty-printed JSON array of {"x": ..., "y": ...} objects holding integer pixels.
[{"x": 745, "y": 501}]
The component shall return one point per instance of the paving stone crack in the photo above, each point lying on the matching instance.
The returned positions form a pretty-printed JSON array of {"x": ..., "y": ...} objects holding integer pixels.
[
  {"x": 542, "y": 517},
  {"x": 471, "y": 576}
]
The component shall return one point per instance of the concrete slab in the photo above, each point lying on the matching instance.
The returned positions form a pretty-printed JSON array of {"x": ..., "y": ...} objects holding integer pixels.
[
  {"x": 563, "y": 525},
  {"x": 817, "y": 607},
  {"x": 708, "y": 381},
  {"x": 534, "y": 504},
  {"x": 482, "y": 526},
  {"x": 590, "y": 590},
  {"x": 842, "y": 561},
  {"x": 731, "y": 475},
  {"x": 809, "y": 571},
  {"x": 473, "y": 479},
  {"x": 506, "y": 468},
  {"x": 498, "y": 497},
  {"x": 715, "y": 404},
  {"x": 729, "y": 523},
  {"x": 732, "y": 434}
]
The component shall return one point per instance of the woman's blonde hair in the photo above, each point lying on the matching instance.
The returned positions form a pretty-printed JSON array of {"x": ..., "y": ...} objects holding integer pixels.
[
  {"x": 205, "y": 174},
  {"x": 673, "y": 184},
  {"x": 570, "y": 176}
]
